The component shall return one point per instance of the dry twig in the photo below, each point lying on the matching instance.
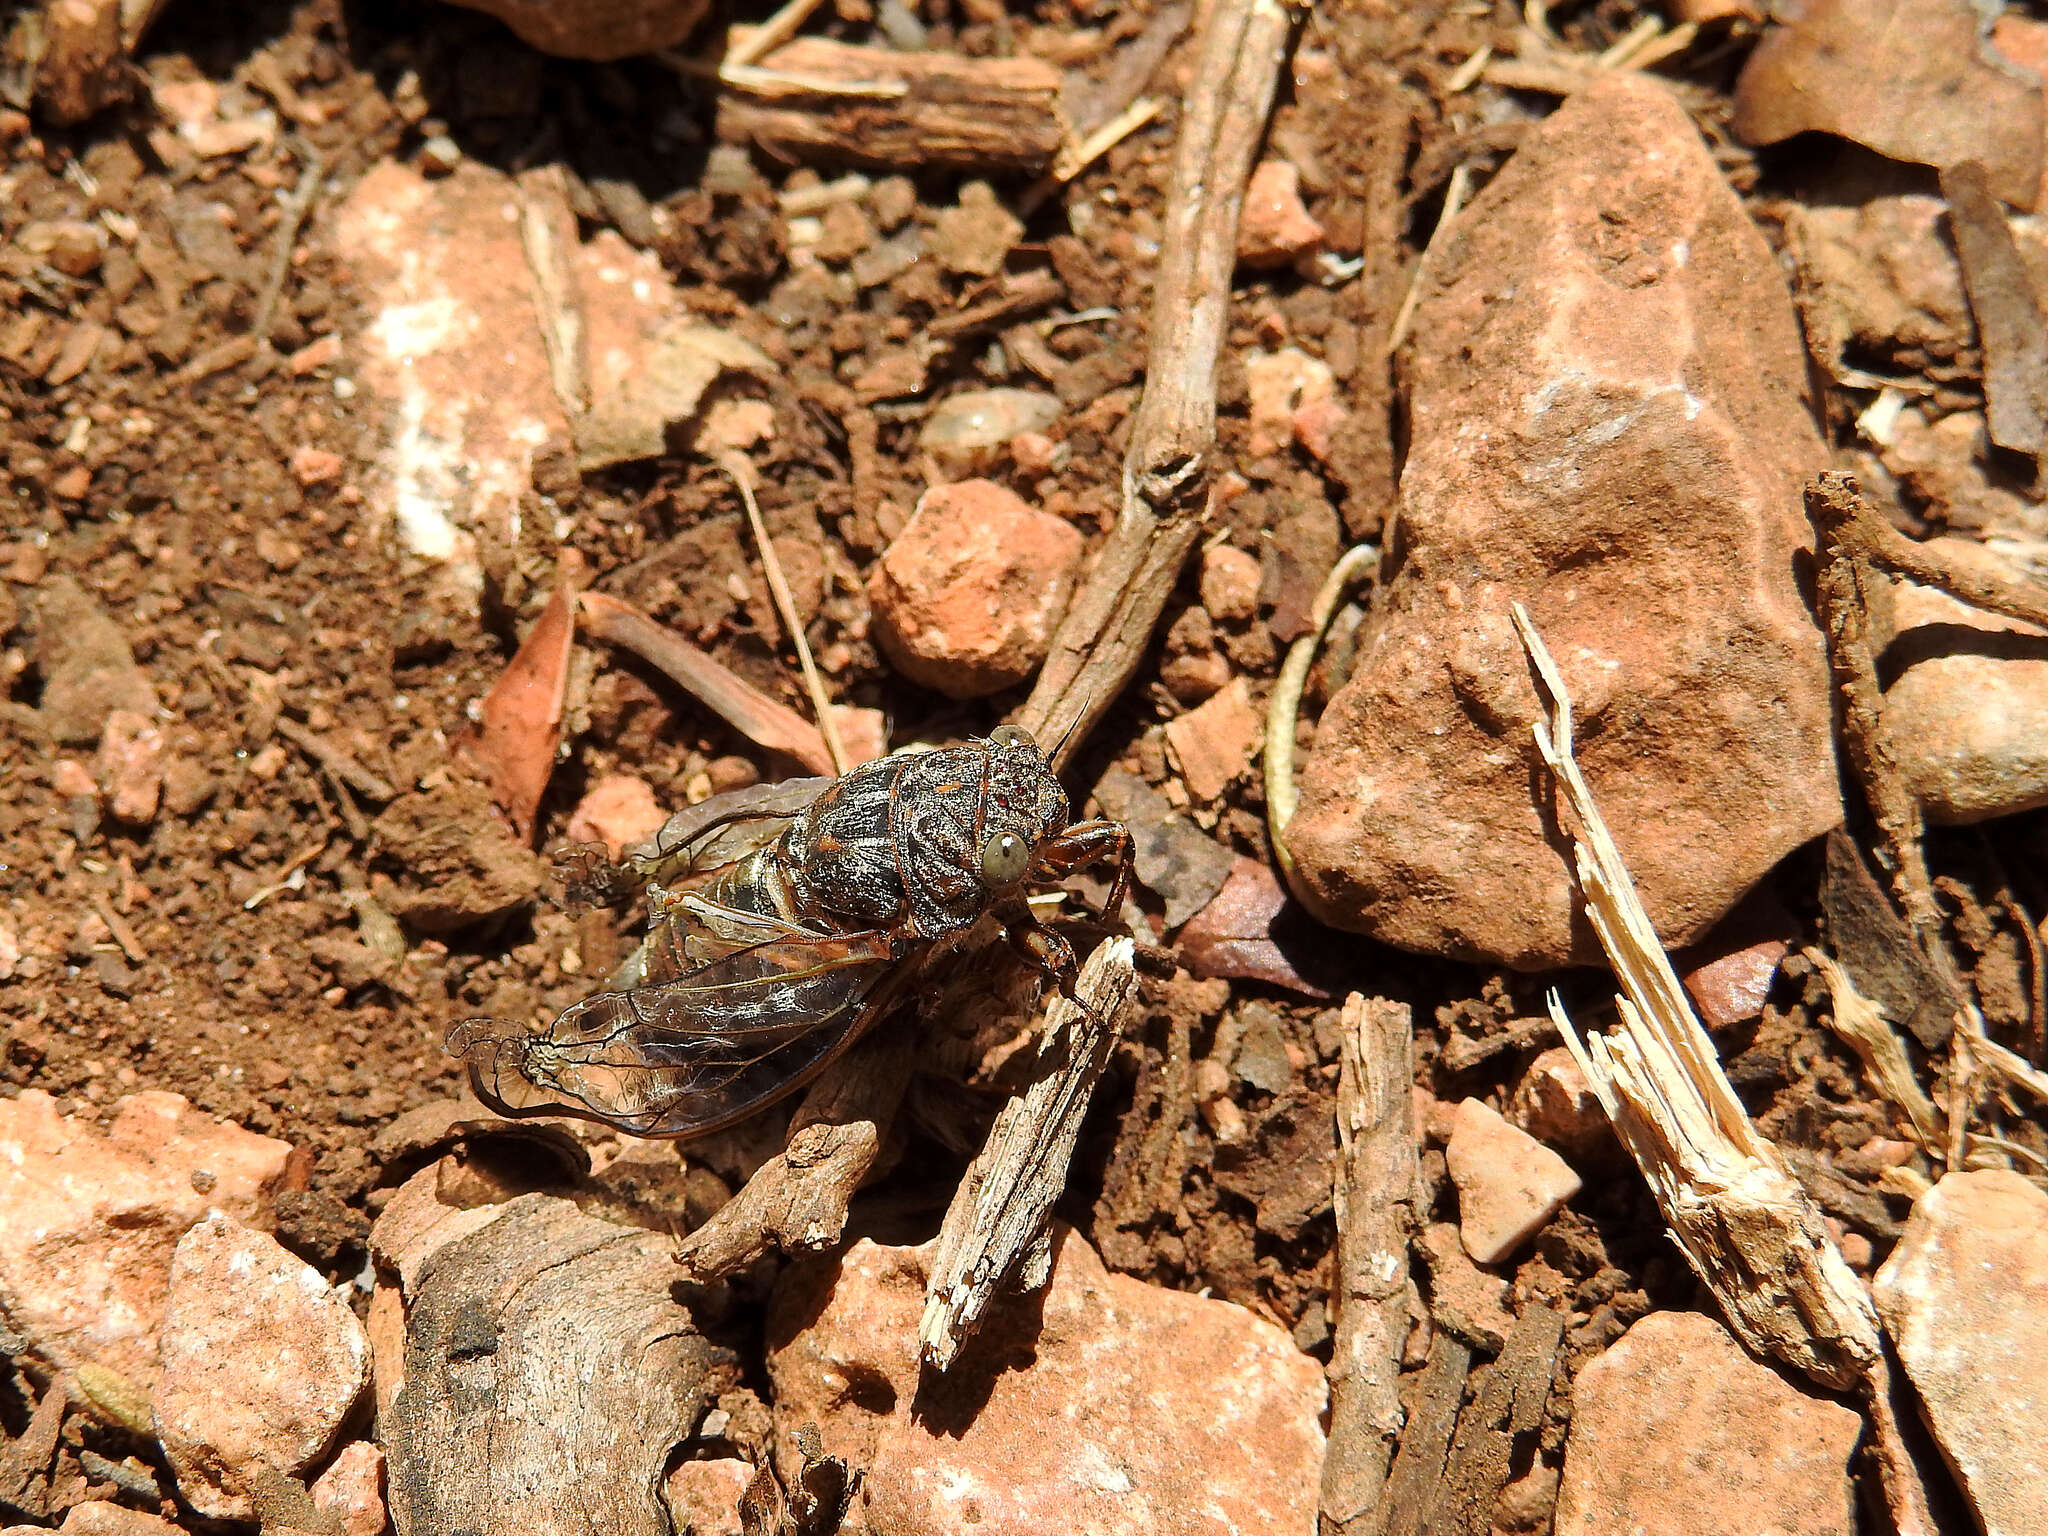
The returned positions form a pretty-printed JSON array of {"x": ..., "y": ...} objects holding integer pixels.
[
  {"x": 796, "y": 1201},
  {"x": 1743, "y": 1221},
  {"x": 1848, "y": 537},
  {"x": 1375, "y": 1198},
  {"x": 1166, "y": 466},
  {"x": 739, "y": 704},
  {"x": 814, "y": 99},
  {"x": 994, "y": 1236}
]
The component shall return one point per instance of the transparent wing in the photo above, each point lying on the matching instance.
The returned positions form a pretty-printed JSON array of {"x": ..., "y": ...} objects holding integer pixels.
[
  {"x": 723, "y": 829},
  {"x": 691, "y": 1055}
]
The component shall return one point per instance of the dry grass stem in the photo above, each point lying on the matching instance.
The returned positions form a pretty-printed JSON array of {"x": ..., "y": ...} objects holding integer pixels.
[
  {"x": 1077, "y": 155},
  {"x": 778, "y": 585},
  {"x": 753, "y": 44},
  {"x": 2008, "y": 1064},
  {"x": 1454, "y": 202},
  {"x": 1283, "y": 708},
  {"x": 994, "y": 1234},
  {"x": 1743, "y": 1221},
  {"x": 1877, "y": 1045},
  {"x": 547, "y": 234},
  {"x": 1104, "y": 635}
]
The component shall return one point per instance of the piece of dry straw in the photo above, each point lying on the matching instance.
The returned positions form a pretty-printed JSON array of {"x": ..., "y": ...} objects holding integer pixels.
[{"x": 1745, "y": 1224}]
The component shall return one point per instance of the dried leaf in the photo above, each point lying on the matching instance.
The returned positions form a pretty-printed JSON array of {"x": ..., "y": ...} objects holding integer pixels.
[
  {"x": 1235, "y": 934},
  {"x": 515, "y": 742},
  {"x": 1175, "y": 861}
]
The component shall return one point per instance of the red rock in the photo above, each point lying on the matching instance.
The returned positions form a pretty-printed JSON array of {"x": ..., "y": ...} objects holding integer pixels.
[
  {"x": 1731, "y": 988},
  {"x": 262, "y": 1364},
  {"x": 100, "y": 1518},
  {"x": 385, "y": 1329},
  {"x": 87, "y": 666},
  {"x": 736, "y": 426},
  {"x": 352, "y": 1490},
  {"x": 1677, "y": 1432},
  {"x": 966, "y": 597},
  {"x": 315, "y": 466},
  {"x": 618, "y": 811},
  {"x": 1216, "y": 741},
  {"x": 1966, "y": 724},
  {"x": 596, "y": 29},
  {"x": 418, "y": 1223},
  {"x": 73, "y": 780},
  {"x": 1276, "y": 227},
  {"x": 1120, "y": 1407},
  {"x": 1554, "y": 1103},
  {"x": 93, "y": 1218},
  {"x": 130, "y": 766},
  {"x": 452, "y": 352},
  {"x": 1964, "y": 1297},
  {"x": 1907, "y": 78},
  {"x": 1230, "y": 583},
  {"x": 1509, "y": 1184},
  {"x": 324, "y": 352},
  {"x": 1279, "y": 386},
  {"x": 704, "y": 1496},
  {"x": 1036, "y": 454},
  {"x": 1620, "y": 447}
]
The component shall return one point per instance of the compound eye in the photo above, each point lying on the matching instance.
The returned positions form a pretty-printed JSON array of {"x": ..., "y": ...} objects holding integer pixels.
[
  {"x": 1004, "y": 859},
  {"x": 1011, "y": 736}
]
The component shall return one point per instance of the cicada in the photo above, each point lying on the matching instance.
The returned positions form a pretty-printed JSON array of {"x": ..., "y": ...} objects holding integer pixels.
[{"x": 784, "y": 920}]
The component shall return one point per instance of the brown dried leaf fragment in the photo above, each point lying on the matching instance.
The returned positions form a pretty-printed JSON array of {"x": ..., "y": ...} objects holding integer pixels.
[
  {"x": 521, "y": 726},
  {"x": 1237, "y": 934}
]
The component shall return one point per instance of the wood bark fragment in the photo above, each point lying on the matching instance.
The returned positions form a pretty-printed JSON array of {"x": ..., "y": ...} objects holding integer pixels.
[
  {"x": 550, "y": 1374},
  {"x": 797, "y": 1200},
  {"x": 1426, "y": 1439},
  {"x": 941, "y": 109},
  {"x": 1166, "y": 472},
  {"x": 999, "y": 1213},
  {"x": 1744, "y": 1223},
  {"x": 1377, "y": 1187},
  {"x": 1509, "y": 1403}
]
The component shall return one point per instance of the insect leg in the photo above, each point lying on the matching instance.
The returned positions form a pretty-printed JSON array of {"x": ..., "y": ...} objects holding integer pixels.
[
  {"x": 1044, "y": 951},
  {"x": 1090, "y": 842}
]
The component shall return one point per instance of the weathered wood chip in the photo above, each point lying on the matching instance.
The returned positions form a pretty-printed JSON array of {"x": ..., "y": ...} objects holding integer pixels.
[{"x": 550, "y": 1373}]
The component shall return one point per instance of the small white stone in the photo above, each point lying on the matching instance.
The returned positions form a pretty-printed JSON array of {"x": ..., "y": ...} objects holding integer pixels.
[{"x": 1509, "y": 1183}]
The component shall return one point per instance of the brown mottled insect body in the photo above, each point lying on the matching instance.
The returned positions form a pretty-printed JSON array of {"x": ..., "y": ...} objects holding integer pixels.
[{"x": 784, "y": 920}]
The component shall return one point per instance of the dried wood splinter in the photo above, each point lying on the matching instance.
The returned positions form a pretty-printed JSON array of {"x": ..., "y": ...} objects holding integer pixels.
[{"x": 1743, "y": 1221}]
